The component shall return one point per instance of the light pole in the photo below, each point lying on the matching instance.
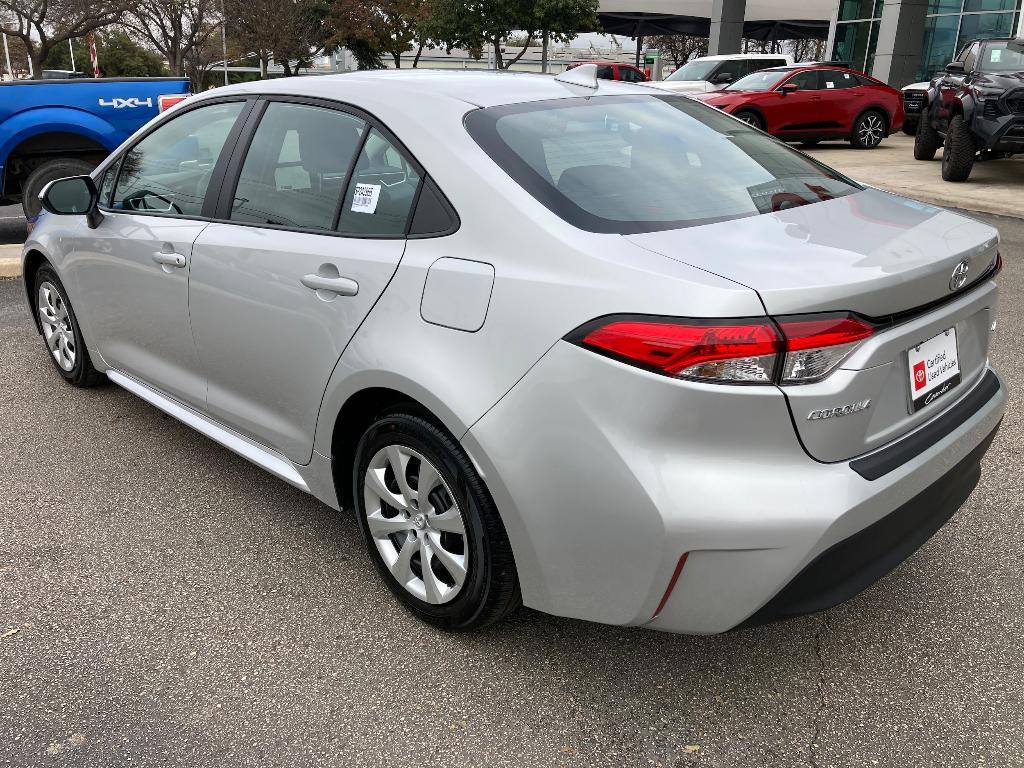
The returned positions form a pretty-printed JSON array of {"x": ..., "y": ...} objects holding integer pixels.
[
  {"x": 7, "y": 54},
  {"x": 224, "y": 39}
]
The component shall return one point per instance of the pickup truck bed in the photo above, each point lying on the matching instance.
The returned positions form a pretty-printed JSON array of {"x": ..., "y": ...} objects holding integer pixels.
[{"x": 50, "y": 129}]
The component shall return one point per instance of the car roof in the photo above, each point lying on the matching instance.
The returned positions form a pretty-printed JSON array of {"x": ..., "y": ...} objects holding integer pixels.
[
  {"x": 602, "y": 61},
  {"x": 480, "y": 88},
  {"x": 729, "y": 56}
]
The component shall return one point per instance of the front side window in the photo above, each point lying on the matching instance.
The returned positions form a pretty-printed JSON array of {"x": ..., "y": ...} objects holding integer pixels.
[
  {"x": 764, "y": 80},
  {"x": 605, "y": 73},
  {"x": 644, "y": 163},
  {"x": 380, "y": 196},
  {"x": 297, "y": 167},
  {"x": 806, "y": 81},
  {"x": 169, "y": 171},
  {"x": 693, "y": 70}
]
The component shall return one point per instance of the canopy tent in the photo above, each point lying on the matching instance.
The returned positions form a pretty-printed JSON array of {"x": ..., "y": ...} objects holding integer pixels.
[{"x": 765, "y": 20}]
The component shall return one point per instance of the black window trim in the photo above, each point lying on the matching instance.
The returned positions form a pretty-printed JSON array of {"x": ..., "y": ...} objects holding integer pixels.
[
  {"x": 232, "y": 175},
  {"x": 218, "y": 169}
]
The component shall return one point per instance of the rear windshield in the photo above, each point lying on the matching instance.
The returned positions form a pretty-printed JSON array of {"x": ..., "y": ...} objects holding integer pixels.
[
  {"x": 630, "y": 164},
  {"x": 1002, "y": 57},
  {"x": 758, "y": 81},
  {"x": 694, "y": 70}
]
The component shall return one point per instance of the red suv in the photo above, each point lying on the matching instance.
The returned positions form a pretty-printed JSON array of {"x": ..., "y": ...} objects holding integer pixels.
[
  {"x": 814, "y": 103},
  {"x": 614, "y": 70}
]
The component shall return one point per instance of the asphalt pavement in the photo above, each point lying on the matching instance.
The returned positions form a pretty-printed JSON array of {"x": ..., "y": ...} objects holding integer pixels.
[{"x": 163, "y": 602}]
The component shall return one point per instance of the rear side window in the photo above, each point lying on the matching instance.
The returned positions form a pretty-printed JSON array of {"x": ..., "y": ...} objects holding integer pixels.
[
  {"x": 833, "y": 79},
  {"x": 297, "y": 167},
  {"x": 381, "y": 193},
  {"x": 169, "y": 170},
  {"x": 630, "y": 164},
  {"x": 605, "y": 73}
]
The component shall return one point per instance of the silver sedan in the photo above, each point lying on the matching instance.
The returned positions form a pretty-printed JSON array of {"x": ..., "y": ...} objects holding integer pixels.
[{"x": 578, "y": 345}]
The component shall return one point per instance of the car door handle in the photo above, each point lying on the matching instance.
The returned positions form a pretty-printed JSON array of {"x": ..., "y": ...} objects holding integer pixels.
[
  {"x": 342, "y": 286},
  {"x": 169, "y": 259}
]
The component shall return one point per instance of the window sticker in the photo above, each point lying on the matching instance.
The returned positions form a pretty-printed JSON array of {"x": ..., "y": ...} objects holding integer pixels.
[
  {"x": 846, "y": 76},
  {"x": 829, "y": 84},
  {"x": 364, "y": 200},
  {"x": 997, "y": 56}
]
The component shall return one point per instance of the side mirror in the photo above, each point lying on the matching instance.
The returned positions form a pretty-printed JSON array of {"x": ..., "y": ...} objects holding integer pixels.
[
  {"x": 73, "y": 197},
  {"x": 955, "y": 68},
  {"x": 789, "y": 88},
  {"x": 722, "y": 78}
]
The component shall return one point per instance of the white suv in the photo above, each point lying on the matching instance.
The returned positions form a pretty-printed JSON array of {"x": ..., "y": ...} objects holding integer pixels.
[{"x": 713, "y": 73}]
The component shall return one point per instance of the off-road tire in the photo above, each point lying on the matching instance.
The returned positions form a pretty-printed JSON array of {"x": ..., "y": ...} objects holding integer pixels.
[
  {"x": 958, "y": 151},
  {"x": 927, "y": 140}
]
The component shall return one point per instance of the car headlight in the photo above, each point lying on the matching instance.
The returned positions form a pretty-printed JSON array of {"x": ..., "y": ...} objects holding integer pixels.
[{"x": 981, "y": 94}]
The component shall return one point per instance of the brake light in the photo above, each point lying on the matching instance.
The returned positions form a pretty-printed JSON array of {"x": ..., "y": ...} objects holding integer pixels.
[
  {"x": 730, "y": 351},
  {"x": 815, "y": 346},
  {"x": 790, "y": 350},
  {"x": 167, "y": 101}
]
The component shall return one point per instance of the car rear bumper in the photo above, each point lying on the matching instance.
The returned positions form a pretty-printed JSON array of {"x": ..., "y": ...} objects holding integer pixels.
[{"x": 609, "y": 476}]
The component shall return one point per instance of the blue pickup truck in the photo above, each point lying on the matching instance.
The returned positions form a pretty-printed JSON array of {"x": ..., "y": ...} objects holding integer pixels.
[{"x": 50, "y": 129}]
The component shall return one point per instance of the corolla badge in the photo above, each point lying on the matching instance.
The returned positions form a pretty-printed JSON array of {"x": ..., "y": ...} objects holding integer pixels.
[
  {"x": 840, "y": 410},
  {"x": 959, "y": 277}
]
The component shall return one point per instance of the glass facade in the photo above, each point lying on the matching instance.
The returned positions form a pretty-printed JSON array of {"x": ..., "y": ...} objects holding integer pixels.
[
  {"x": 857, "y": 32},
  {"x": 951, "y": 24}
]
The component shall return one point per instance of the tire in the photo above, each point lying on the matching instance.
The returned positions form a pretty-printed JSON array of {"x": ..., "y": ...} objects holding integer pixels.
[
  {"x": 43, "y": 175},
  {"x": 927, "y": 140},
  {"x": 399, "y": 526},
  {"x": 910, "y": 129},
  {"x": 62, "y": 333},
  {"x": 750, "y": 118},
  {"x": 810, "y": 144},
  {"x": 958, "y": 151},
  {"x": 868, "y": 130}
]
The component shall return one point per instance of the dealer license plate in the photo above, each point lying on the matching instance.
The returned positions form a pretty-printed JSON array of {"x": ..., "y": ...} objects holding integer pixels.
[{"x": 934, "y": 369}]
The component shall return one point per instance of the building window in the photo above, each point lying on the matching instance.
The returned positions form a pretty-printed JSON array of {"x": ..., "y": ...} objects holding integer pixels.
[
  {"x": 857, "y": 32},
  {"x": 953, "y": 24}
]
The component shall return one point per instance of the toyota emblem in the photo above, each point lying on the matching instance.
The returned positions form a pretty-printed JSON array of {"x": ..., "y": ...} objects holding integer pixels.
[{"x": 959, "y": 276}]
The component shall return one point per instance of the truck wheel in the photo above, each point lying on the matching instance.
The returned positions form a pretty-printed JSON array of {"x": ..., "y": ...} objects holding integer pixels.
[
  {"x": 49, "y": 171},
  {"x": 927, "y": 140},
  {"x": 909, "y": 128},
  {"x": 958, "y": 152}
]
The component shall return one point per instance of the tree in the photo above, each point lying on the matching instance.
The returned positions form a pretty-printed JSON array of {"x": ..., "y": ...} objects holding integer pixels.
[
  {"x": 175, "y": 27},
  {"x": 472, "y": 24},
  {"x": 290, "y": 32},
  {"x": 679, "y": 48},
  {"x": 118, "y": 54},
  {"x": 381, "y": 26},
  {"x": 42, "y": 25}
]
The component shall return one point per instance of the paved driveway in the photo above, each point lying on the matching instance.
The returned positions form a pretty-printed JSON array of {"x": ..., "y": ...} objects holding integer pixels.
[{"x": 162, "y": 602}]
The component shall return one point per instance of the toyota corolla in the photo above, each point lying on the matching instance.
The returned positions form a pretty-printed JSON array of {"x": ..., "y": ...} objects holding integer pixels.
[{"x": 578, "y": 345}]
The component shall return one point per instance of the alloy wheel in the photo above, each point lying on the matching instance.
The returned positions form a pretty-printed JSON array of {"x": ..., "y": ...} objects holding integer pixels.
[
  {"x": 416, "y": 524},
  {"x": 871, "y": 130},
  {"x": 58, "y": 330}
]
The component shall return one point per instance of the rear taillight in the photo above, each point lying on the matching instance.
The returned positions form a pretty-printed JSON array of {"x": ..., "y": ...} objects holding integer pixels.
[
  {"x": 815, "y": 346},
  {"x": 729, "y": 351},
  {"x": 792, "y": 350},
  {"x": 167, "y": 101}
]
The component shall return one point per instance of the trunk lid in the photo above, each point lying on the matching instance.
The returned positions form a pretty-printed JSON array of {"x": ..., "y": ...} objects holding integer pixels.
[{"x": 883, "y": 257}]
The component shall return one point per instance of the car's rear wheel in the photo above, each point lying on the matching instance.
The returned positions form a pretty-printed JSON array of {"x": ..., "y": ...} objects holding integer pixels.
[
  {"x": 61, "y": 331},
  {"x": 43, "y": 175},
  {"x": 750, "y": 118},
  {"x": 958, "y": 151},
  {"x": 927, "y": 140},
  {"x": 431, "y": 526},
  {"x": 869, "y": 130}
]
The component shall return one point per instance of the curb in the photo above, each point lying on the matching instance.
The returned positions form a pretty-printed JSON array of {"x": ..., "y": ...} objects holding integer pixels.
[{"x": 10, "y": 261}]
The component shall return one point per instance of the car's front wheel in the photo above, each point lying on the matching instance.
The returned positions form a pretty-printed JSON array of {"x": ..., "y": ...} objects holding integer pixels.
[
  {"x": 61, "y": 331},
  {"x": 750, "y": 118},
  {"x": 431, "y": 526},
  {"x": 868, "y": 131},
  {"x": 927, "y": 140},
  {"x": 958, "y": 151}
]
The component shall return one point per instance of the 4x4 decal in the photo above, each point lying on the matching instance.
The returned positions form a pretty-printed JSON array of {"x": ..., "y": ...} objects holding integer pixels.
[{"x": 122, "y": 103}]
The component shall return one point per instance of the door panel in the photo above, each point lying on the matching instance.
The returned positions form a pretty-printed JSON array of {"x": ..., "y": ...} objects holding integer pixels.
[
  {"x": 268, "y": 334},
  {"x": 138, "y": 308}
]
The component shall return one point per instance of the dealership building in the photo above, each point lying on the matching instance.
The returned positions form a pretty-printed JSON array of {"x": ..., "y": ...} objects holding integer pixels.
[{"x": 898, "y": 41}]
